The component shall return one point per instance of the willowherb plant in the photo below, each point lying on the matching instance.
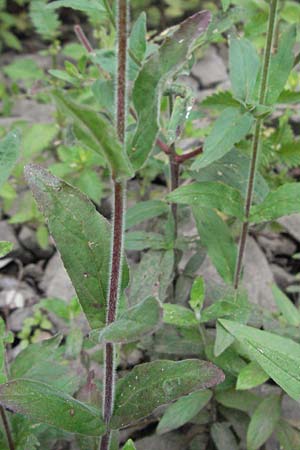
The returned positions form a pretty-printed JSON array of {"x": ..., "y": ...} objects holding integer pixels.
[
  {"x": 135, "y": 83},
  {"x": 92, "y": 249}
]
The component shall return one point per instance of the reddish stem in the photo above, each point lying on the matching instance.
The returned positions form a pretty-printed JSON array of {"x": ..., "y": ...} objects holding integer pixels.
[
  {"x": 6, "y": 426},
  {"x": 118, "y": 222}
]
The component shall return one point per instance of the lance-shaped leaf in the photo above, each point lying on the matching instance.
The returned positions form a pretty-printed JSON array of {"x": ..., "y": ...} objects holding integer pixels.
[
  {"x": 278, "y": 356},
  {"x": 281, "y": 65},
  {"x": 140, "y": 320},
  {"x": 153, "y": 384},
  {"x": 144, "y": 211},
  {"x": 82, "y": 236},
  {"x": 183, "y": 411},
  {"x": 251, "y": 376},
  {"x": 216, "y": 236},
  {"x": 282, "y": 202},
  {"x": 100, "y": 131},
  {"x": 148, "y": 88},
  {"x": 44, "y": 404},
  {"x": 91, "y": 7},
  {"x": 210, "y": 194},
  {"x": 263, "y": 422},
  {"x": 223, "y": 437},
  {"x": 230, "y": 128},
  {"x": 244, "y": 68},
  {"x": 9, "y": 152},
  {"x": 233, "y": 169}
]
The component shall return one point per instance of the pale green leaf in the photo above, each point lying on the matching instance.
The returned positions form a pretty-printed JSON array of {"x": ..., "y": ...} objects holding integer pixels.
[
  {"x": 251, "y": 376},
  {"x": 178, "y": 315},
  {"x": 197, "y": 295},
  {"x": 9, "y": 153},
  {"x": 157, "y": 383},
  {"x": 270, "y": 352},
  {"x": 286, "y": 307},
  {"x": 138, "y": 38},
  {"x": 233, "y": 170},
  {"x": 244, "y": 68},
  {"x": 210, "y": 194},
  {"x": 230, "y": 128},
  {"x": 5, "y": 248},
  {"x": 216, "y": 237},
  {"x": 282, "y": 202},
  {"x": 220, "y": 100},
  {"x": 80, "y": 5},
  {"x": 129, "y": 445},
  {"x": 183, "y": 411},
  {"x": 281, "y": 65},
  {"x": 138, "y": 321},
  {"x": 142, "y": 240},
  {"x": 142, "y": 211}
]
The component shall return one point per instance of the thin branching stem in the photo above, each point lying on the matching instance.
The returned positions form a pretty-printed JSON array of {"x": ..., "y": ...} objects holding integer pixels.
[
  {"x": 118, "y": 220},
  {"x": 256, "y": 139}
]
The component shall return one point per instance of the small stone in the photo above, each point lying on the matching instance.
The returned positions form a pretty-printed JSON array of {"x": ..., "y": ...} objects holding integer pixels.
[
  {"x": 210, "y": 70},
  {"x": 56, "y": 282},
  {"x": 292, "y": 225}
]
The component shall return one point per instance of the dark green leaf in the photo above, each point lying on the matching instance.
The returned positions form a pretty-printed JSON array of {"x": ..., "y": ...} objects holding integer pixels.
[
  {"x": 244, "y": 68},
  {"x": 216, "y": 237},
  {"x": 270, "y": 351},
  {"x": 282, "y": 202},
  {"x": 263, "y": 422},
  {"x": 183, "y": 411},
  {"x": 148, "y": 88},
  {"x": 210, "y": 194},
  {"x": 82, "y": 236},
  {"x": 153, "y": 384},
  {"x": 223, "y": 437},
  {"x": 100, "y": 131},
  {"x": 44, "y": 404},
  {"x": 288, "y": 436},
  {"x": 143, "y": 318},
  {"x": 230, "y": 128}
]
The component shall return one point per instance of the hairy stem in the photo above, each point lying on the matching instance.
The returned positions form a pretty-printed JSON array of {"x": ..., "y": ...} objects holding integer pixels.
[
  {"x": 174, "y": 172},
  {"x": 7, "y": 428},
  {"x": 118, "y": 222},
  {"x": 256, "y": 139}
]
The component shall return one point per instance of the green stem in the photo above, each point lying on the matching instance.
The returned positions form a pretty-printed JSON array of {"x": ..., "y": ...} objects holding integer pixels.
[
  {"x": 256, "y": 140},
  {"x": 118, "y": 222},
  {"x": 109, "y": 12}
]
